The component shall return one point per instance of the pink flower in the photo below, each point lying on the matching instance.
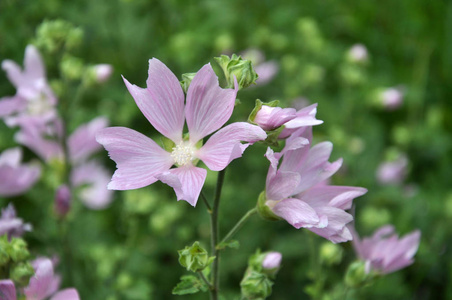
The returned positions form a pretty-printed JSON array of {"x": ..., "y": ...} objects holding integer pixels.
[
  {"x": 7, "y": 290},
  {"x": 102, "y": 72},
  {"x": 34, "y": 100},
  {"x": 384, "y": 252},
  {"x": 392, "y": 98},
  {"x": 296, "y": 191},
  {"x": 44, "y": 283},
  {"x": 392, "y": 172},
  {"x": 62, "y": 203},
  {"x": 141, "y": 162},
  {"x": 270, "y": 118},
  {"x": 272, "y": 260},
  {"x": 10, "y": 224},
  {"x": 358, "y": 53},
  {"x": 266, "y": 70},
  {"x": 16, "y": 178}
]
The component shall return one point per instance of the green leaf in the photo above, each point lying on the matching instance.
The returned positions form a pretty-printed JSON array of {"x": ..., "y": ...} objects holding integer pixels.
[{"x": 189, "y": 284}]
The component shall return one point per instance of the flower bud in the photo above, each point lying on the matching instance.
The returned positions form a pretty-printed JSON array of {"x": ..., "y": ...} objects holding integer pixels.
[
  {"x": 330, "y": 254},
  {"x": 356, "y": 275},
  {"x": 4, "y": 257},
  {"x": 71, "y": 67},
  {"x": 194, "y": 258},
  {"x": 239, "y": 68},
  {"x": 186, "y": 80},
  {"x": 392, "y": 98},
  {"x": 21, "y": 273},
  {"x": 62, "y": 200},
  {"x": 255, "y": 285},
  {"x": 55, "y": 35},
  {"x": 17, "y": 250},
  {"x": 272, "y": 260},
  {"x": 102, "y": 72}
]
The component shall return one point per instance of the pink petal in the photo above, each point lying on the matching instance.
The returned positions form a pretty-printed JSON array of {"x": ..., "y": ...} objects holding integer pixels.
[
  {"x": 208, "y": 106},
  {"x": 95, "y": 195},
  {"x": 335, "y": 196},
  {"x": 336, "y": 230},
  {"x": 186, "y": 181},
  {"x": 33, "y": 64},
  {"x": 11, "y": 105},
  {"x": 272, "y": 260},
  {"x": 32, "y": 137},
  {"x": 7, "y": 290},
  {"x": 304, "y": 117},
  {"x": 11, "y": 157},
  {"x": 13, "y": 72},
  {"x": 282, "y": 185},
  {"x": 82, "y": 143},
  {"x": 162, "y": 102},
  {"x": 266, "y": 71},
  {"x": 38, "y": 287},
  {"x": 67, "y": 294},
  {"x": 296, "y": 212},
  {"x": 15, "y": 180},
  {"x": 138, "y": 158},
  {"x": 269, "y": 118},
  {"x": 224, "y": 146}
]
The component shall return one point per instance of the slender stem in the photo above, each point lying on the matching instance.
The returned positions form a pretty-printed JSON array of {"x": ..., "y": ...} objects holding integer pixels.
[
  {"x": 201, "y": 275},
  {"x": 238, "y": 225},
  {"x": 214, "y": 236},
  {"x": 203, "y": 197}
]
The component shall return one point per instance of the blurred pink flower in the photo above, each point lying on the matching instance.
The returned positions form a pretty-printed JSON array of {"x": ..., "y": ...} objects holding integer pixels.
[
  {"x": 296, "y": 191},
  {"x": 102, "y": 72},
  {"x": 16, "y": 178},
  {"x": 358, "y": 53},
  {"x": 141, "y": 162},
  {"x": 266, "y": 70},
  {"x": 44, "y": 283},
  {"x": 11, "y": 225},
  {"x": 7, "y": 290},
  {"x": 384, "y": 252},
  {"x": 62, "y": 203},
  {"x": 393, "y": 172},
  {"x": 270, "y": 118},
  {"x": 272, "y": 260},
  {"x": 392, "y": 98},
  {"x": 34, "y": 100}
]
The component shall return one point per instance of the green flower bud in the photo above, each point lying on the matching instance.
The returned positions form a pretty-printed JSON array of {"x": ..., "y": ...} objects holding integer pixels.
[
  {"x": 21, "y": 273},
  {"x": 18, "y": 250},
  {"x": 4, "y": 257},
  {"x": 72, "y": 67},
  {"x": 264, "y": 211},
  {"x": 194, "y": 258},
  {"x": 255, "y": 285},
  {"x": 356, "y": 275},
  {"x": 53, "y": 36},
  {"x": 186, "y": 80},
  {"x": 330, "y": 254},
  {"x": 240, "y": 68}
]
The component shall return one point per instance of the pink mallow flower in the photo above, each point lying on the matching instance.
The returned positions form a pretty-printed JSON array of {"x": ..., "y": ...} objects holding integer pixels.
[
  {"x": 45, "y": 140},
  {"x": 297, "y": 193},
  {"x": 270, "y": 118},
  {"x": 43, "y": 284},
  {"x": 392, "y": 172},
  {"x": 392, "y": 98},
  {"x": 266, "y": 70},
  {"x": 10, "y": 224},
  {"x": 34, "y": 100},
  {"x": 384, "y": 252},
  {"x": 358, "y": 53},
  {"x": 16, "y": 178},
  {"x": 141, "y": 162},
  {"x": 102, "y": 72}
]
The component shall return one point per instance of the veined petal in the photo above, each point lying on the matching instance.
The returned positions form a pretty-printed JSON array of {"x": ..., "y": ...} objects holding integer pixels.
[
  {"x": 95, "y": 195},
  {"x": 282, "y": 185},
  {"x": 7, "y": 290},
  {"x": 138, "y": 158},
  {"x": 336, "y": 230},
  {"x": 67, "y": 294},
  {"x": 186, "y": 181},
  {"x": 82, "y": 143},
  {"x": 296, "y": 212},
  {"x": 208, "y": 105},
  {"x": 304, "y": 117},
  {"x": 162, "y": 102},
  {"x": 334, "y": 196},
  {"x": 224, "y": 146}
]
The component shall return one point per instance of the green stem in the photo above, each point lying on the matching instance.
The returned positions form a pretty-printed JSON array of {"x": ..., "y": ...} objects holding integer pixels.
[
  {"x": 204, "y": 199},
  {"x": 238, "y": 225},
  {"x": 214, "y": 236},
  {"x": 203, "y": 278}
]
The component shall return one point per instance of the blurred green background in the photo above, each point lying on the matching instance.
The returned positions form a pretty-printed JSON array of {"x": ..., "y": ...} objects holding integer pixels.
[{"x": 128, "y": 251}]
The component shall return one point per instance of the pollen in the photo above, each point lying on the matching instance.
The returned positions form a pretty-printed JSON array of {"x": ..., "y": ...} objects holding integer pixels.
[{"x": 183, "y": 153}]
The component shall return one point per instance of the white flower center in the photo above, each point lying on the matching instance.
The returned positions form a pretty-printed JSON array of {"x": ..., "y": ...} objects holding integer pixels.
[
  {"x": 183, "y": 153},
  {"x": 38, "y": 106}
]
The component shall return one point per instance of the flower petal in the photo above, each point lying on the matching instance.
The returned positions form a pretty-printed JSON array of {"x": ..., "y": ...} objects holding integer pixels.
[
  {"x": 335, "y": 196},
  {"x": 11, "y": 105},
  {"x": 40, "y": 283},
  {"x": 162, "y": 102},
  {"x": 13, "y": 72},
  {"x": 67, "y": 294},
  {"x": 186, "y": 181},
  {"x": 208, "y": 106},
  {"x": 16, "y": 180},
  {"x": 336, "y": 230},
  {"x": 304, "y": 117},
  {"x": 33, "y": 64},
  {"x": 138, "y": 158},
  {"x": 7, "y": 290},
  {"x": 82, "y": 143},
  {"x": 296, "y": 212},
  {"x": 282, "y": 185},
  {"x": 224, "y": 146},
  {"x": 96, "y": 195}
]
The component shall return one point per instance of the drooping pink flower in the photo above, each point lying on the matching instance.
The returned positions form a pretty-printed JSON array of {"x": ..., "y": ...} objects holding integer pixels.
[
  {"x": 141, "y": 162},
  {"x": 16, "y": 178},
  {"x": 272, "y": 260},
  {"x": 34, "y": 100},
  {"x": 44, "y": 283},
  {"x": 393, "y": 172},
  {"x": 11, "y": 225},
  {"x": 270, "y": 118},
  {"x": 45, "y": 141},
  {"x": 384, "y": 252},
  {"x": 296, "y": 190}
]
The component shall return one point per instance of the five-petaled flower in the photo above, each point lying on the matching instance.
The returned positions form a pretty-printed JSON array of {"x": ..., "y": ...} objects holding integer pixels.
[{"x": 141, "y": 162}]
